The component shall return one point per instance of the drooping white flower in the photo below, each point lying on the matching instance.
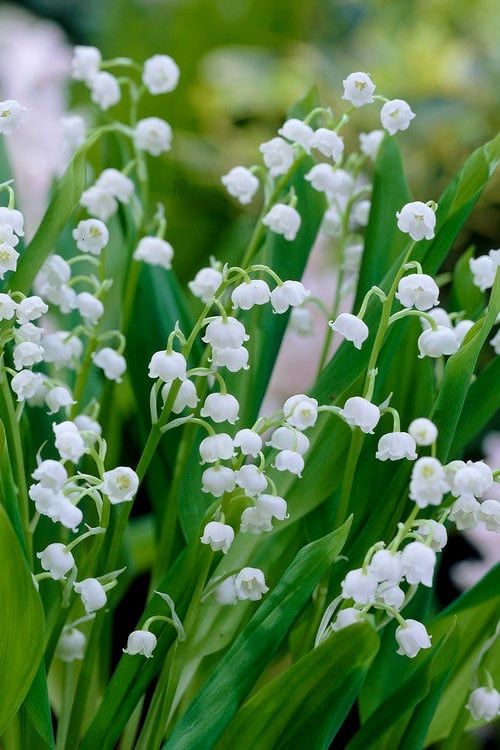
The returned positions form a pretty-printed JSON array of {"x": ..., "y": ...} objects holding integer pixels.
[
  {"x": 418, "y": 290},
  {"x": 298, "y": 132},
  {"x": 205, "y": 283},
  {"x": 489, "y": 514},
  {"x": 386, "y": 566},
  {"x": 483, "y": 271},
  {"x": 62, "y": 348},
  {"x": 484, "y": 703},
  {"x": 68, "y": 441},
  {"x": 474, "y": 478},
  {"x": 322, "y": 178},
  {"x": 153, "y": 135},
  {"x": 291, "y": 461},
  {"x": 29, "y": 332},
  {"x": 278, "y": 156},
  {"x": 369, "y": 143},
  {"x": 225, "y": 593},
  {"x": 241, "y": 183},
  {"x": 346, "y": 617},
  {"x": 394, "y": 446},
  {"x": 360, "y": 586},
  {"x": 160, "y": 74},
  {"x": 284, "y": 220},
  {"x": 74, "y": 132},
  {"x": 167, "y": 366},
  {"x": 120, "y": 484},
  {"x": 111, "y": 363},
  {"x": 222, "y": 334},
  {"x": 273, "y": 506},
  {"x": 58, "y": 398},
  {"x": 301, "y": 411},
  {"x": 301, "y": 321},
  {"x": 358, "y": 89},
  {"x": 47, "y": 500},
  {"x": 219, "y": 536},
  {"x": 11, "y": 116},
  {"x": 250, "y": 293},
  {"x": 217, "y": 480},
  {"x": 328, "y": 142},
  {"x": 155, "y": 251},
  {"x": 89, "y": 307},
  {"x": 289, "y": 294},
  {"x": 8, "y": 259},
  {"x": 465, "y": 512},
  {"x": 30, "y": 308},
  {"x": 26, "y": 354},
  {"x": 428, "y": 482},
  {"x": 218, "y": 447},
  {"x": 351, "y": 328},
  {"x": 57, "y": 560},
  {"x": 221, "y": 407},
  {"x": 359, "y": 412},
  {"x": 250, "y": 584},
  {"x": 141, "y": 642},
  {"x": 287, "y": 437},
  {"x": 418, "y": 562},
  {"x": 8, "y": 307},
  {"x": 12, "y": 218},
  {"x": 254, "y": 521},
  {"x": 440, "y": 316},
  {"x": 71, "y": 645},
  {"x": 423, "y": 431},
  {"x": 391, "y": 596},
  {"x": 251, "y": 480},
  {"x": 68, "y": 515},
  {"x": 186, "y": 396},
  {"x": 360, "y": 213},
  {"x": 412, "y": 637},
  {"x": 85, "y": 63},
  {"x": 51, "y": 474},
  {"x": 437, "y": 343},
  {"x": 99, "y": 202},
  {"x": 104, "y": 90},
  {"x": 433, "y": 534},
  {"x": 92, "y": 594},
  {"x": 25, "y": 384},
  {"x": 396, "y": 115},
  {"x": 233, "y": 359},
  {"x": 248, "y": 441},
  {"x": 87, "y": 424},
  {"x": 116, "y": 184},
  {"x": 91, "y": 236}
]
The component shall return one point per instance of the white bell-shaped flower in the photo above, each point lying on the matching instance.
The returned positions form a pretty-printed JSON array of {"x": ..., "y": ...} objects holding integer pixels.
[
  {"x": 62, "y": 349},
  {"x": 91, "y": 236},
  {"x": 116, "y": 184},
  {"x": 153, "y": 135},
  {"x": 216, "y": 448},
  {"x": 390, "y": 595},
  {"x": 489, "y": 514},
  {"x": 301, "y": 411},
  {"x": 58, "y": 398},
  {"x": 323, "y": 178},
  {"x": 251, "y": 480},
  {"x": 396, "y": 115},
  {"x": 92, "y": 594},
  {"x": 437, "y": 343},
  {"x": 360, "y": 213},
  {"x": 68, "y": 441},
  {"x": 289, "y": 294},
  {"x": 30, "y": 308},
  {"x": 433, "y": 534},
  {"x": 85, "y": 63},
  {"x": 301, "y": 322},
  {"x": 278, "y": 156},
  {"x": 418, "y": 562},
  {"x": 298, "y": 132},
  {"x": 351, "y": 328},
  {"x": 346, "y": 617},
  {"x": 289, "y": 438},
  {"x": 8, "y": 259},
  {"x": 423, "y": 431},
  {"x": 419, "y": 221},
  {"x": 89, "y": 307},
  {"x": 104, "y": 90},
  {"x": 360, "y": 586},
  {"x": 358, "y": 89},
  {"x": 68, "y": 515},
  {"x": 283, "y": 219},
  {"x": 47, "y": 500},
  {"x": 396, "y": 445},
  {"x": 186, "y": 396},
  {"x": 369, "y": 143},
  {"x": 221, "y": 407},
  {"x": 11, "y": 116},
  {"x": 249, "y": 442},
  {"x": 289, "y": 461},
  {"x": 359, "y": 412},
  {"x": 154, "y": 251},
  {"x": 241, "y": 184},
  {"x": 428, "y": 482},
  {"x": 51, "y": 474},
  {"x": 167, "y": 366},
  {"x": 250, "y": 293},
  {"x": 12, "y": 218},
  {"x": 25, "y": 384},
  {"x": 225, "y": 593},
  {"x": 462, "y": 329},
  {"x": 475, "y": 478},
  {"x": 273, "y": 506},
  {"x": 7, "y": 307},
  {"x": 99, "y": 202},
  {"x": 386, "y": 566},
  {"x": 250, "y": 583},
  {"x": 255, "y": 521},
  {"x": 464, "y": 512},
  {"x": 27, "y": 354},
  {"x": 483, "y": 271},
  {"x": 120, "y": 484},
  {"x": 160, "y": 74},
  {"x": 440, "y": 316},
  {"x": 418, "y": 290},
  {"x": 233, "y": 360},
  {"x": 328, "y": 142},
  {"x": 30, "y": 332},
  {"x": 57, "y": 560},
  {"x": 484, "y": 703},
  {"x": 205, "y": 283},
  {"x": 71, "y": 645},
  {"x": 141, "y": 642},
  {"x": 219, "y": 536},
  {"x": 111, "y": 363},
  {"x": 222, "y": 334},
  {"x": 411, "y": 637},
  {"x": 217, "y": 480}
]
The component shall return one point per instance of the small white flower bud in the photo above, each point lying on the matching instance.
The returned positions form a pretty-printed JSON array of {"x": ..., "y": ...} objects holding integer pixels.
[
  {"x": 284, "y": 220},
  {"x": 360, "y": 213},
  {"x": 89, "y": 307},
  {"x": 288, "y": 438},
  {"x": 91, "y": 593},
  {"x": 346, "y": 617},
  {"x": 411, "y": 638},
  {"x": 221, "y": 407},
  {"x": 217, "y": 480},
  {"x": 167, "y": 366},
  {"x": 141, "y": 642},
  {"x": 222, "y": 334},
  {"x": 250, "y": 584},
  {"x": 111, "y": 363},
  {"x": 153, "y": 135},
  {"x": 225, "y": 593},
  {"x": 437, "y": 343},
  {"x": 205, "y": 283},
  {"x": 71, "y": 645},
  {"x": 85, "y": 63},
  {"x": 418, "y": 562},
  {"x": 484, "y": 704},
  {"x": 351, "y": 328},
  {"x": 396, "y": 445},
  {"x": 396, "y": 115},
  {"x": 216, "y": 448},
  {"x": 298, "y": 132},
  {"x": 99, "y": 202},
  {"x": 391, "y": 596},
  {"x": 249, "y": 442},
  {"x": 358, "y": 89},
  {"x": 289, "y": 294},
  {"x": 301, "y": 411},
  {"x": 328, "y": 143},
  {"x": 359, "y": 586},
  {"x": 359, "y": 412},
  {"x": 58, "y": 398},
  {"x": 57, "y": 560},
  {"x": 160, "y": 74},
  {"x": 433, "y": 534},
  {"x": 423, "y": 431},
  {"x": 250, "y": 293},
  {"x": 278, "y": 156},
  {"x": 369, "y": 143},
  {"x": 465, "y": 512},
  {"x": 418, "y": 290},
  {"x": 489, "y": 514},
  {"x": 155, "y": 251},
  {"x": 241, "y": 184},
  {"x": 68, "y": 441},
  {"x": 120, "y": 484},
  {"x": 91, "y": 236},
  {"x": 25, "y": 384},
  {"x": 301, "y": 322},
  {"x": 186, "y": 396},
  {"x": 219, "y": 536},
  {"x": 104, "y": 90},
  {"x": 11, "y": 116},
  {"x": 386, "y": 566},
  {"x": 289, "y": 461},
  {"x": 251, "y": 480}
]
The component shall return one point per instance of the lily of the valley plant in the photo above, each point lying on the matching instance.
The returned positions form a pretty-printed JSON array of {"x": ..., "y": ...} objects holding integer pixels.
[{"x": 287, "y": 561}]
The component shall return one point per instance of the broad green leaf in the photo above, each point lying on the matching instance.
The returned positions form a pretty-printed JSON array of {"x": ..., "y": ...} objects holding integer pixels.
[
  {"x": 306, "y": 696},
  {"x": 481, "y": 403},
  {"x": 8, "y": 491},
  {"x": 21, "y": 632},
  {"x": 233, "y": 677},
  {"x": 36, "y": 713}
]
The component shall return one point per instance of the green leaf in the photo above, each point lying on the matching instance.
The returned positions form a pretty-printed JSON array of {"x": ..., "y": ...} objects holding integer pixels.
[
  {"x": 35, "y": 711},
  {"x": 309, "y": 699},
  {"x": 8, "y": 491},
  {"x": 481, "y": 403},
  {"x": 22, "y": 631},
  {"x": 233, "y": 677}
]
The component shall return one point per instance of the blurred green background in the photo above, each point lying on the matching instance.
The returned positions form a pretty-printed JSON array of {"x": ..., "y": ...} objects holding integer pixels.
[{"x": 244, "y": 62}]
